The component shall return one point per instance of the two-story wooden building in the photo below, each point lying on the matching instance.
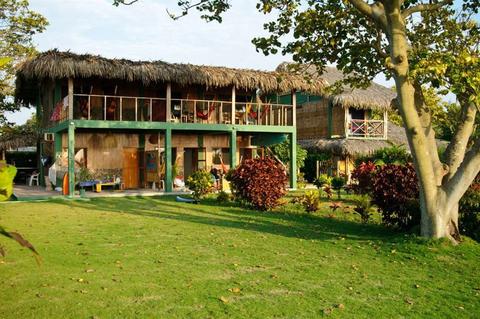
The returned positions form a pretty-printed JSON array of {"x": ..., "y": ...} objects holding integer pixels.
[
  {"x": 345, "y": 125},
  {"x": 145, "y": 122}
]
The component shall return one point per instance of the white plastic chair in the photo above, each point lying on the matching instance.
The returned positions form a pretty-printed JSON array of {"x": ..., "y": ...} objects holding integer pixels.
[{"x": 33, "y": 179}]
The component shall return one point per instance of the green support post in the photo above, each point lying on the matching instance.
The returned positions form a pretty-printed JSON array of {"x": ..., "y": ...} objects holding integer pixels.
[
  {"x": 168, "y": 161},
  {"x": 71, "y": 159},
  {"x": 57, "y": 145},
  {"x": 233, "y": 148},
  {"x": 293, "y": 160}
]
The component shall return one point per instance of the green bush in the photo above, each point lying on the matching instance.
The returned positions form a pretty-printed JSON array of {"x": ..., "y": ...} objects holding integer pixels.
[
  {"x": 301, "y": 182},
  {"x": 223, "y": 197},
  {"x": 310, "y": 167},
  {"x": 322, "y": 181},
  {"x": 337, "y": 184},
  {"x": 259, "y": 182},
  {"x": 363, "y": 207},
  {"x": 310, "y": 201},
  {"x": 469, "y": 216},
  {"x": 200, "y": 183}
]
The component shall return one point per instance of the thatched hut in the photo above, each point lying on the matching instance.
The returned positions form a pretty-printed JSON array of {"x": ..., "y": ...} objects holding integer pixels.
[{"x": 346, "y": 124}]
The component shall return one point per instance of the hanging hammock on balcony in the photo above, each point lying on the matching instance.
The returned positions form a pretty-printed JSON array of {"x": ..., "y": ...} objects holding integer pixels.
[
  {"x": 251, "y": 113},
  {"x": 206, "y": 116}
]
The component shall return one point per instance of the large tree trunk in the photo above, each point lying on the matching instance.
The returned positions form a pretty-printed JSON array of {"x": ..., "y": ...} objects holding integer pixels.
[{"x": 439, "y": 218}]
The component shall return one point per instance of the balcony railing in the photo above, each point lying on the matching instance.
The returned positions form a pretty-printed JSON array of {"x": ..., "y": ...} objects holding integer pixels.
[
  {"x": 374, "y": 129},
  {"x": 149, "y": 109}
]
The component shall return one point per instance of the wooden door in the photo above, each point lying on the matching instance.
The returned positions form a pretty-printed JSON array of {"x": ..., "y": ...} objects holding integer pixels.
[{"x": 130, "y": 168}]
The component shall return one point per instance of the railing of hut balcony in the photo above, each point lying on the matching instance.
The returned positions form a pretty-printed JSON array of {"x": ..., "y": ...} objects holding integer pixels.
[
  {"x": 366, "y": 129},
  {"x": 150, "y": 109}
]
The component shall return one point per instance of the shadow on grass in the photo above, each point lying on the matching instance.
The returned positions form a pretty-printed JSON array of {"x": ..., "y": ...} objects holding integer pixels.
[{"x": 212, "y": 213}]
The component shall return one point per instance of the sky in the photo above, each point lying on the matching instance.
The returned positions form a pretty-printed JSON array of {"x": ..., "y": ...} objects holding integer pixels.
[{"x": 144, "y": 31}]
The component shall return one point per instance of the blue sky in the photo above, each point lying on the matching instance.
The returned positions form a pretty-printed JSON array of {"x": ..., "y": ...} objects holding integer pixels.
[{"x": 144, "y": 31}]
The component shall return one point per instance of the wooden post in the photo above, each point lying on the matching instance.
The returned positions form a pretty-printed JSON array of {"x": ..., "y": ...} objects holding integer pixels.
[
  {"x": 385, "y": 124},
  {"x": 168, "y": 161},
  {"x": 294, "y": 108},
  {"x": 345, "y": 121},
  {"x": 233, "y": 148},
  {"x": 293, "y": 160},
  {"x": 57, "y": 140},
  {"x": 330, "y": 119},
  {"x": 71, "y": 159},
  {"x": 169, "y": 103},
  {"x": 234, "y": 100},
  {"x": 70, "y": 98}
]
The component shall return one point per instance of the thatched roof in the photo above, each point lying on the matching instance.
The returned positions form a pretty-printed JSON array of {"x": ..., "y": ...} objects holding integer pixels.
[
  {"x": 355, "y": 147},
  {"x": 376, "y": 96},
  {"x": 12, "y": 141},
  {"x": 54, "y": 64}
]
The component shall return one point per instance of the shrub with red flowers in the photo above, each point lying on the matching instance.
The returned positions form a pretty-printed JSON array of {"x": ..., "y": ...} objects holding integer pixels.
[
  {"x": 363, "y": 175},
  {"x": 259, "y": 182},
  {"x": 395, "y": 192}
]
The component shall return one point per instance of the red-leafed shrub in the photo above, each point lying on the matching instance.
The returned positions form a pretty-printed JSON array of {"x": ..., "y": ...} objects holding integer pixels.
[
  {"x": 259, "y": 182},
  {"x": 395, "y": 192},
  {"x": 363, "y": 175}
]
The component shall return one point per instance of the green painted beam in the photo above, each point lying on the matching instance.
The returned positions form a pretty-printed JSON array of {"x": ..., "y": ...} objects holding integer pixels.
[
  {"x": 60, "y": 127},
  {"x": 168, "y": 161},
  {"x": 293, "y": 160},
  {"x": 94, "y": 124},
  {"x": 233, "y": 148},
  {"x": 71, "y": 159}
]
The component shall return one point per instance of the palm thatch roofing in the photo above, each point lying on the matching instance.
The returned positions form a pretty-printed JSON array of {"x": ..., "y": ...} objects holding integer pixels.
[
  {"x": 354, "y": 147},
  {"x": 55, "y": 64},
  {"x": 14, "y": 140},
  {"x": 375, "y": 97}
]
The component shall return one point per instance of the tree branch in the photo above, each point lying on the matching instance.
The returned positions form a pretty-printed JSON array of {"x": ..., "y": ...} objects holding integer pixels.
[
  {"x": 455, "y": 151},
  {"x": 425, "y": 7},
  {"x": 124, "y": 2},
  {"x": 465, "y": 174}
]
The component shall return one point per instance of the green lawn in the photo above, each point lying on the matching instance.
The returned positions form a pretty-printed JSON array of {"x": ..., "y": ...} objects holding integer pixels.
[{"x": 153, "y": 257}]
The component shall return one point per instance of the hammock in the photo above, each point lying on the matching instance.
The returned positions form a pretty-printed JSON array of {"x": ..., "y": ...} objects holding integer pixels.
[
  {"x": 57, "y": 112},
  {"x": 251, "y": 113},
  {"x": 264, "y": 112},
  {"x": 205, "y": 116}
]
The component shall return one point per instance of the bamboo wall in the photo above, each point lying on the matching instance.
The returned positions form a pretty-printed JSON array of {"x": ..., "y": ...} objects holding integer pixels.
[{"x": 312, "y": 120}]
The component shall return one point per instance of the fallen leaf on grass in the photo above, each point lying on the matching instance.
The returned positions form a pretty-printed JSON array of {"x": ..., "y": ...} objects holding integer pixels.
[
  {"x": 223, "y": 299},
  {"x": 235, "y": 290}
]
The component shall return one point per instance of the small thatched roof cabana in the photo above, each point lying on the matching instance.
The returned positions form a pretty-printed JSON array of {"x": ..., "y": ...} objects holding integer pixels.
[
  {"x": 54, "y": 64},
  {"x": 375, "y": 97},
  {"x": 354, "y": 147},
  {"x": 14, "y": 140}
]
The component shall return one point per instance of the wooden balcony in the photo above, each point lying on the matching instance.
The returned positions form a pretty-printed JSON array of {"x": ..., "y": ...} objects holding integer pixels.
[
  {"x": 366, "y": 129},
  {"x": 150, "y": 109}
]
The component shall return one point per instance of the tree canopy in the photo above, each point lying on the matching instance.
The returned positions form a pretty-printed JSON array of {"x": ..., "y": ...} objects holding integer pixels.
[{"x": 18, "y": 24}]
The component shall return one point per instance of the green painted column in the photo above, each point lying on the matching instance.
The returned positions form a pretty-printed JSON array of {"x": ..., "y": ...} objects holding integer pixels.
[
  {"x": 71, "y": 159},
  {"x": 41, "y": 168},
  {"x": 293, "y": 160},
  {"x": 57, "y": 152},
  {"x": 168, "y": 160},
  {"x": 233, "y": 148}
]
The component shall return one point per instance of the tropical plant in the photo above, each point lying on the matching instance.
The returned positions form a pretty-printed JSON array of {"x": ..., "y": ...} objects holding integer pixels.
[
  {"x": 395, "y": 154},
  {"x": 7, "y": 174},
  {"x": 310, "y": 168},
  {"x": 282, "y": 151},
  {"x": 470, "y": 212},
  {"x": 322, "y": 181},
  {"x": 338, "y": 182},
  {"x": 395, "y": 192},
  {"x": 362, "y": 176},
  {"x": 259, "y": 182},
  {"x": 363, "y": 207},
  {"x": 223, "y": 197},
  {"x": 310, "y": 201},
  {"x": 200, "y": 183},
  {"x": 301, "y": 182}
]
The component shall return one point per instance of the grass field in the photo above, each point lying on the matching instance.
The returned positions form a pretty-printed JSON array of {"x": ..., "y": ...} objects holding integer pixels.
[{"x": 153, "y": 257}]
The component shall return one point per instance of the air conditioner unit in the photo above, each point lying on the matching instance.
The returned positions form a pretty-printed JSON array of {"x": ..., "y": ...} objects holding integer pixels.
[{"x": 49, "y": 137}]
